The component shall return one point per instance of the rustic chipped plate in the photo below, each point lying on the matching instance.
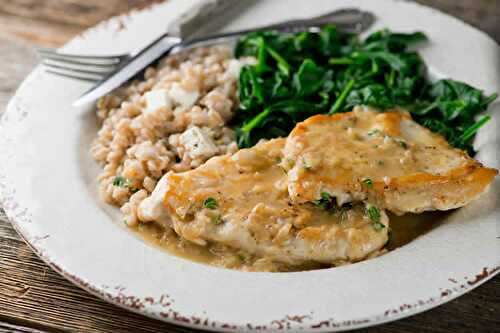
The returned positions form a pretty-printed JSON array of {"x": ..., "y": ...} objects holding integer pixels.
[{"x": 48, "y": 189}]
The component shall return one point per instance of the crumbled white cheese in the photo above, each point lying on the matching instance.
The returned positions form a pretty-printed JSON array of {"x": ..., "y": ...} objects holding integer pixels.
[
  {"x": 183, "y": 97},
  {"x": 233, "y": 69},
  {"x": 156, "y": 99},
  {"x": 152, "y": 208},
  {"x": 198, "y": 143}
]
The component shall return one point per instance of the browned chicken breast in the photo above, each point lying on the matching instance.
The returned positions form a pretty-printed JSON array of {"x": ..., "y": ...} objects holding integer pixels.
[
  {"x": 386, "y": 159},
  {"x": 242, "y": 202}
]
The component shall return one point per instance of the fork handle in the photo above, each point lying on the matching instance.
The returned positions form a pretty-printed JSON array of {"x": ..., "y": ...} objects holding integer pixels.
[
  {"x": 353, "y": 20},
  {"x": 348, "y": 19}
]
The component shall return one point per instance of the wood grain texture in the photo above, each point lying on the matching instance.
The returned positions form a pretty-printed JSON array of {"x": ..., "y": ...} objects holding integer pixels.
[
  {"x": 54, "y": 22},
  {"x": 484, "y": 14},
  {"x": 35, "y": 299}
]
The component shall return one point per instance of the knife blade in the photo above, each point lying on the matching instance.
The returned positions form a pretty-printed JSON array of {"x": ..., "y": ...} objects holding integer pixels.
[{"x": 188, "y": 25}]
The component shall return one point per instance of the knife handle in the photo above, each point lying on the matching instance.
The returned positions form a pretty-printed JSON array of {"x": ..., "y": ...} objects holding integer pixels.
[
  {"x": 206, "y": 15},
  {"x": 348, "y": 20}
]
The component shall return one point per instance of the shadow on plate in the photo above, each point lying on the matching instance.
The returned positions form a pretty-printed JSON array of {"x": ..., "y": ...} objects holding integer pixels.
[{"x": 408, "y": 227}]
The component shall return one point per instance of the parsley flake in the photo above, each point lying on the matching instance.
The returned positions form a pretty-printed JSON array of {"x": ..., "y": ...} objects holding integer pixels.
[
  {"x": 328, "y": 203},
  {"x": 373, "y": 213},
  {"x": 210, "y": 203},
  {"x": 124, "y": 182},
  {"x": 325, "y": 201},
  {"x": 120, "y": 181},
  {"x": 403, "y": 144},
  {"x": 368, "y": 182}
]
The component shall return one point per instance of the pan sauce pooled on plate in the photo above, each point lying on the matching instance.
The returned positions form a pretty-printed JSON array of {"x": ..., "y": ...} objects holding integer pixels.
[
  {"x": 242, "y": 201},
  {"x": 319, "y": 195},
  {"x": 343, "y": 171}
]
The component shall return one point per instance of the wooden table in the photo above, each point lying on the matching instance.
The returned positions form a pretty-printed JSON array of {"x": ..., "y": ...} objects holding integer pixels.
[{"x": 33, "y": 298}]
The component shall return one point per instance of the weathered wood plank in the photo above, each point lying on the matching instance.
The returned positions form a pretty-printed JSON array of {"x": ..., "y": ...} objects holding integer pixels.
[
  {"x": 35, "y": 299},
  {"x": 54, "y": 22},
  {"x": 6, "y": 326},
  {"x": 73, "y": 12},
  {"x": 483, "y": 14},
  {"x": 36, "y": 32},
  {"x": 32, "y": 292},
  {"x": 17, "y": 61}
]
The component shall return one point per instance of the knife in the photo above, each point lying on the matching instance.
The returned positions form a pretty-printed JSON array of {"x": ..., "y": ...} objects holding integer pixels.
[{"x": 196, "y": 19}]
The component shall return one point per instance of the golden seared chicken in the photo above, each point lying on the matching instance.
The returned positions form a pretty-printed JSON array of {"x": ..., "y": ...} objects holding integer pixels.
[
  {"x": 386, "y": 159},
  {"x": 242, "y": 201}
]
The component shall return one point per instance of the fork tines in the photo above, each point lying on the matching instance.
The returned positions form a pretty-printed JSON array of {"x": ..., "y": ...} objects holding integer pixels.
[{"x": 82, "y": 67}]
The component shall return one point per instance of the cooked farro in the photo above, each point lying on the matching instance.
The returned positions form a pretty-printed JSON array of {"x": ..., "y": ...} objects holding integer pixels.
[{"x": 148, "y": 127}]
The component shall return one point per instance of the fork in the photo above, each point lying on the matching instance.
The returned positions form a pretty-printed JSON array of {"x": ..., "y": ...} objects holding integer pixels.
[
  {"x": 82, "y": 67},
  {"x": 97, "y": 67}
]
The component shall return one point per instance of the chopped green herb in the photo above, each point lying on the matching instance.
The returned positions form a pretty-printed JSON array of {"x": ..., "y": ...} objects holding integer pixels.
[
  {"x": 380, "y": 162},
  {"x": 124, "y": 182},
  {"x": 210, "y": 203},
  {"x": 373, "y": 213},
  {"x": 120, "y": 181},
  {"x": 325, "y": 201},
  {"x": 328, "y": 203},
  {"x": 373, "y": 132},
  {"x": 368, "y": 182},
  {"x": 403, "y": 144}
]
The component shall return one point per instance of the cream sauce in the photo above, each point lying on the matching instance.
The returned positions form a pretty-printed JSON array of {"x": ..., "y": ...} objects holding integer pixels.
[
  {"x": 404, "y": 229},
  {"x": 254, "y": 227},
  {"x": 251, "y": 211},
  {"x": 369, "y": 144}
]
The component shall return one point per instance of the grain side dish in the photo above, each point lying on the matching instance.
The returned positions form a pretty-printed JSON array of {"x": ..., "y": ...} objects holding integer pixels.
[
  {"x": 289, "y": 151},
  {"x": 175, "y": 119}
]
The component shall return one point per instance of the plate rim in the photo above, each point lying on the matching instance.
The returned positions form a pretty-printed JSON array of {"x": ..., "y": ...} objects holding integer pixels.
[
  {"x": 406, "y": 310},
  {"x": 480, "y": 278}
]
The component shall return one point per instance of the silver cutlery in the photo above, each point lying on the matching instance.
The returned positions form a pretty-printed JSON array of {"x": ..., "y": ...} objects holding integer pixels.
[
  {"x": 97, "y": 67},
  {"x": 113, "y": 71}
]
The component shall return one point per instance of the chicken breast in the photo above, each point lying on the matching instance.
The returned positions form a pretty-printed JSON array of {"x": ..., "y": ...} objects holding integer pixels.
[
  {"x": 242, "y": 202},
  {"x": 386, "y": 159}
]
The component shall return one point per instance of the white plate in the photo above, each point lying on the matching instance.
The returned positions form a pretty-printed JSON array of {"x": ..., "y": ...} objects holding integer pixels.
[{"x": 48, "y": 190}]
